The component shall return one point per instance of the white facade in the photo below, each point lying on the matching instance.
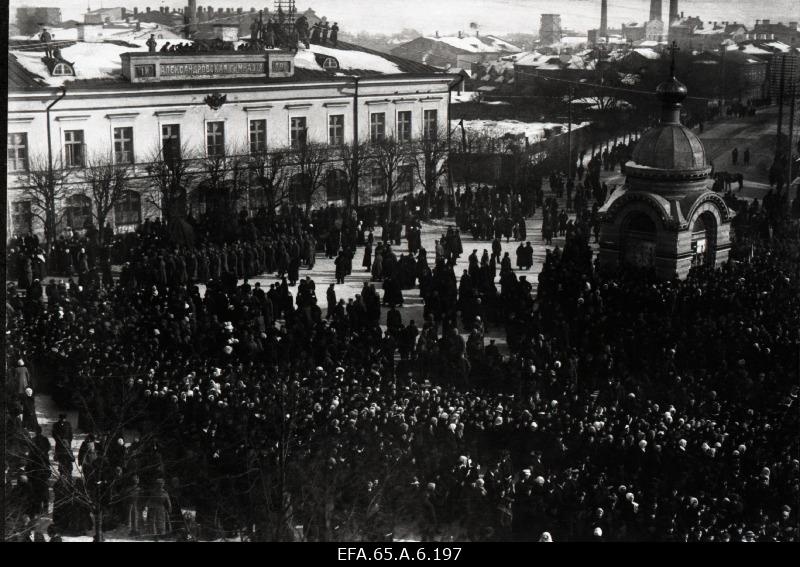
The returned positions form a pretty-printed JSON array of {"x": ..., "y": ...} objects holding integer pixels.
[{"x": 147, "y": 108}]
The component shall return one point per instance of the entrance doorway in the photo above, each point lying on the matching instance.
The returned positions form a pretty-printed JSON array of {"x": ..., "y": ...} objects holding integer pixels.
[
  {"x": 639, "y": 241},
  {"x": 704, "y": 240}
]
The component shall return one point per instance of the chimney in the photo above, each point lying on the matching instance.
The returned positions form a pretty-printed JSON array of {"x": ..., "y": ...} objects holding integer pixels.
[
  {"x": 604, "y": 18},
  {"x": 673, "y": 10},
  {"x": 460, "y": 35},
  {"x": 239, "y": 10},
  {"x": 656, "y": 10},
  {"x": 436, "y": 34},
  {"x": 252, "y": 10},
  {"x": 135, "y": 11},
  {"x": 148, "y": 9}
]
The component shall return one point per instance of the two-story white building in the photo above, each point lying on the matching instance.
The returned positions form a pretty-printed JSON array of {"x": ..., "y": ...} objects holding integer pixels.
[{"x": 104, "y": 99}]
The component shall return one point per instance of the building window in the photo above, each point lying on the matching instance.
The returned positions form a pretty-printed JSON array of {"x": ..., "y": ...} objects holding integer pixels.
[
  {"x": 128, "y": 210},
  {"x": 17, "y": 152},
  {"x": 123, "y": 145},
  {"x": 258, "y": 136},
  {"x": 336, "y": 130},
  {"x": 405, "y": 178},
  {"x": 377, "y": 126},
  {"x": 330, "y": 64},
  {"x": 281, "y": 66},
  {"x": 378, "y": 181},
  {"x": 404, "y": 126},
  {"x": 215, "y": 139},
  {"x": 62, "y": 70},
  {"x": 21, "y": 217},
  {"x": 171, "y": 141},
  {"x": 298, "y": 132},
  {"x": 73, "y": 148},
  {"x": 430, "y": 124},
  {"x": 336, "y": 184},
  {"x": 79, "y": 212}
]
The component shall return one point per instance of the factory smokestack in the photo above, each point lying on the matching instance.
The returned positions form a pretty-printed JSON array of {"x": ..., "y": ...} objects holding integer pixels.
[
  {"x": 604, "y": 18},
  {"x": 656, "y": 11},
  {"x": 191, "y": 18},
  {"x": 673, "y": 11}
]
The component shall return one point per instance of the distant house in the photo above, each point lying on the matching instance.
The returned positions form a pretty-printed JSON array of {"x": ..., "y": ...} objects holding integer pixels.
[
  {"x": 104, "y": 15},
  {"x": 638, "y": 60},
  {"x": 648, "y": 31},
  {"x": 532, "y": 70},
  {"x": 736, "y": 74},
  {"x": 454, "y": 51},
  {"x": 786, "y": 33}
]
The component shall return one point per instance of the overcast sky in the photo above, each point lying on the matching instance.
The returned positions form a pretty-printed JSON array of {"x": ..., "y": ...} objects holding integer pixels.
[{"x": 447, "y": 16}]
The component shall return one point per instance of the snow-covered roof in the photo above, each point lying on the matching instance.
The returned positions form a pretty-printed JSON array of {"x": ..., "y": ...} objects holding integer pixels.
[
  {"x": 710, "y": 31},
  {"x": 465, "y": 96},
  {"x": 778, "y": 45},
  {"x": 751, "y": 49},
  {"x": 473, "y": 44},
  {"x": 102, "y": 60},
  {"x": 534, "y": 59},
  {"x": 533, "y": 131},
  {"x": 649, "y": 43},
  {"x": 90, "y": 61},
  {"x": 577, "y": 62},
  {"x": 59, "y": 34},
  {"x": 574, "y": 40},
  {"x": 647, "y": 53},
  {"x": 348, "y": 60}
]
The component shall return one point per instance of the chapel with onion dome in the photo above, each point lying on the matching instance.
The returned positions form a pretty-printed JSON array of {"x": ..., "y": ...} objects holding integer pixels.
[{"x": 666, "y": 216}]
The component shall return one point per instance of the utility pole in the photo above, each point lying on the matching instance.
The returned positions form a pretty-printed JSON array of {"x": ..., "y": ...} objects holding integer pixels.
[
  {"x": 780, "y": 103},
  {"x": 569, "y": 132},
  {"x": 355, "y": 157},
  {"x": 791, "y": 140},
  {"x": 723, "y": 92}
]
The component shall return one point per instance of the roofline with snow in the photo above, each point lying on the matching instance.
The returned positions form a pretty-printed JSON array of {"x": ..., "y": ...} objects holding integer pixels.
[{"x": 203, "y": 86}]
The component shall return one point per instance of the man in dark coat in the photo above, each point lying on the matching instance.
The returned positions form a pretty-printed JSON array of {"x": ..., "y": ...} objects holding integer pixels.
[
  {"x": 335, "y": 34},
  {"x": 62, "y": 436}
]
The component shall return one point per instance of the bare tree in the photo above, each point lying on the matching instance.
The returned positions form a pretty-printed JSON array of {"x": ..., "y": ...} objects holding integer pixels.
[
  {"x": 470, "y": 149},
  {"x": 46, "y": 186},
  {"x": 431, "y": 162},
  {"x": 310, "y": 162},
  {"x": 388, "y": 156},
  {"x": 171, "y": 173},
  {"x": 225, "y": 183},
  {"x": 355, "y": 163},
  {"x": 268, "y": 174},
  {"x": 107, "y": 182}
]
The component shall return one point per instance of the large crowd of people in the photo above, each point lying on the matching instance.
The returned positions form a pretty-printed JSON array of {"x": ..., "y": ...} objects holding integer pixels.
[{"x": 625, "y": 408}]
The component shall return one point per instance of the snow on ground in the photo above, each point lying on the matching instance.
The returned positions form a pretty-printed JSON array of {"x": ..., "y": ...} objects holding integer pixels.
[
  {"x": 466, "y": 96},
  {"x": 533, "y": 131},
  {"x": 348, "y": 60}
]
